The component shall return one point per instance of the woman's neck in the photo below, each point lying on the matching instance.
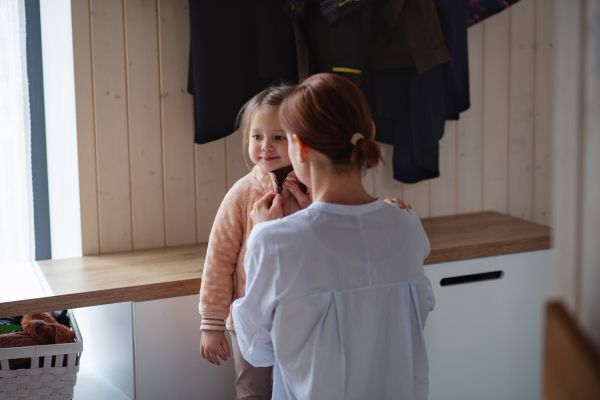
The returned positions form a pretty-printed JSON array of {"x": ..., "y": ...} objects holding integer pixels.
[
  {"x": 339, "y": 188},
  {"x": 281, "y": 174}
]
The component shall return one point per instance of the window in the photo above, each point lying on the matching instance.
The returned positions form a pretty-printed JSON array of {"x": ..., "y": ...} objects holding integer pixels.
[
  {"x": 39, "y": 180},
  {"x": 17, "y": 236}
]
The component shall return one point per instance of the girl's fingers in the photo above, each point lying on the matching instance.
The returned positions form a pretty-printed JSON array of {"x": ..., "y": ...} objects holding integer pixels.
[
  {"x": 401, "y": 203},
  {"x": 221, "y": 354},
  {"x": 225, "y": 346},
  {"x": 202, "y": 352},
  {"x": 214, "y": 358}
]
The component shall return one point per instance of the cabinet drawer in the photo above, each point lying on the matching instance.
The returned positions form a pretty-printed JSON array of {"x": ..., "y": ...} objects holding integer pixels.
[{"x": 484, "y": 338}]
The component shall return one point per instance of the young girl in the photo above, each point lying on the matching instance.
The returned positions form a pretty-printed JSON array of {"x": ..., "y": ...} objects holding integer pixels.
[{"x": 224, "y": 278}]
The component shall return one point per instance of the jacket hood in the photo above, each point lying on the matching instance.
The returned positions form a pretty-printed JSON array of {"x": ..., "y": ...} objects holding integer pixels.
[{"x": 263, "y": 179}]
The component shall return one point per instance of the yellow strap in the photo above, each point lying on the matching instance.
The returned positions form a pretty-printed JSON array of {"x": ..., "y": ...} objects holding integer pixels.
[
  {"x": 350, "y": 70},
  {"x": 346, "y": 1}
]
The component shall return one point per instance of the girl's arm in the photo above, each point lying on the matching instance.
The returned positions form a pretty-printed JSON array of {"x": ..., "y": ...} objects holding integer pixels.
[{"x": 216, "y": 292}]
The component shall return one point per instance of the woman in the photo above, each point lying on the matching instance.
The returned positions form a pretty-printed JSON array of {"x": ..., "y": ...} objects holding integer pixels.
[{"x": 336, "y": 298}]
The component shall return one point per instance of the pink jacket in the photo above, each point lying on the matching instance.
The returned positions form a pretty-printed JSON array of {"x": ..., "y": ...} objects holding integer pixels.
[{"x": 224, "y": 278}]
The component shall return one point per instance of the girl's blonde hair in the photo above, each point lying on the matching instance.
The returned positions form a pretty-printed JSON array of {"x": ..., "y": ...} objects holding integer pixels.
[{"x": 272, "y": 96}]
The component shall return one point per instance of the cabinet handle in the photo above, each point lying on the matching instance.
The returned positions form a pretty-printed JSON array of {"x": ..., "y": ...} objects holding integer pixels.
[{"x": 485, "y": 276}]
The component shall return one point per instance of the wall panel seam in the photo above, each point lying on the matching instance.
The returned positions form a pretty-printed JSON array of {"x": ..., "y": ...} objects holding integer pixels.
[
  {"x": 483, "y": 30},
  {"x": 533, "y": 110},
  {"x": 227, "y": 164},
  {"x": 196, "y": 191},
  {"x": 580, "y": 133},
  {"x": 162, "y": 123},
  {"x": 95, "y": 124},
  {"x": 456, "y": 155},
  {"x": 126, "y": 50},
  {"x": 508, "y": 113},
  {"x": 429, "y": 195}
]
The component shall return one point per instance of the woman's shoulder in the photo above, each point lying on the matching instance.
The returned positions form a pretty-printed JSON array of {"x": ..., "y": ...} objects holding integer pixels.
[{"x": 284, "y": 228}]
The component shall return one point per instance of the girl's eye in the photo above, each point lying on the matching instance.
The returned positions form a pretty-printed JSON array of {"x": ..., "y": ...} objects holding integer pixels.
[
  {"x": 280, "y": 138},
  {"x": 257, "y": 137}
]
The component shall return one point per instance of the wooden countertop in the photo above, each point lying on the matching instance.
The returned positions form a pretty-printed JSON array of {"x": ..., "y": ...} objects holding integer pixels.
[{"x": 174, "y": 271}]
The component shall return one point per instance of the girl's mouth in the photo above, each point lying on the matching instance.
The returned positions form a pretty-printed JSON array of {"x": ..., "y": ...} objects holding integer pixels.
[{"x": 270, "y": 158}]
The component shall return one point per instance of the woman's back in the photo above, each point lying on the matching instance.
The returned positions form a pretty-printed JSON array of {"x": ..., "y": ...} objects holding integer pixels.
[{"x": 349, "y": 300}]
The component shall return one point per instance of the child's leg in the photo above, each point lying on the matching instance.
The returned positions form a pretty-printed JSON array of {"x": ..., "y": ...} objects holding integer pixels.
[{"x": 251, "y": 383}]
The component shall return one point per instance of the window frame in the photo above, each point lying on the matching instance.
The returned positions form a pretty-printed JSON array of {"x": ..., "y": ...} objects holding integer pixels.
[{"x": 39, "y": 162}]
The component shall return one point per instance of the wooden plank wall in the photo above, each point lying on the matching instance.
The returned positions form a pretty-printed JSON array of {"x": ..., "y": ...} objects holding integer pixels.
[
  {"x": 498, "y": 155},
  {"x": 576, "y": 270},
  {"x": 144, "y": 184}
]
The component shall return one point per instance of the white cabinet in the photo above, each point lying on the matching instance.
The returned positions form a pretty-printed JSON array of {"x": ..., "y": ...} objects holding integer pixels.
[
  {"x": 167, "y": 353},
  {"x": 150, "y": 350},
  {"x": 484, "y": 338}
]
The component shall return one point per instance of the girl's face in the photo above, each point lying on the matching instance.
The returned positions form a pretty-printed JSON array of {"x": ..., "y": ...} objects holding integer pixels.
[{"x": 268, "y": 144}]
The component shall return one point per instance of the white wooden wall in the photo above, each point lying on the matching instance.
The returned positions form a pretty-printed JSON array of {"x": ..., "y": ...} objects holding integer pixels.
[
  {"x": 577, "y": 153},
  {"x": 145, "y": 184}
]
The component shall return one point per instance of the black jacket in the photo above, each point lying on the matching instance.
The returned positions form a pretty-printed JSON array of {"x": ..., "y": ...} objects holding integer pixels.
[{"x": 237, "y": 48}]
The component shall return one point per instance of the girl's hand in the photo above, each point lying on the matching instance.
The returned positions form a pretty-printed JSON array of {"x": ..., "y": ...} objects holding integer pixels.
[
  {"x": 402, "y": 204},
  {"x": 213, "y": 344},
  {"x": 304, "y": 200},
  {"x": 267, "y": 209}
]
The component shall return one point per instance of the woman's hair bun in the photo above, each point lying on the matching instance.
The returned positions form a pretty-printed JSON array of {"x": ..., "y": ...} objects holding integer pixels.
[
  {"x": 366, "y": 153},
  {"x": 326, "y": 111}
]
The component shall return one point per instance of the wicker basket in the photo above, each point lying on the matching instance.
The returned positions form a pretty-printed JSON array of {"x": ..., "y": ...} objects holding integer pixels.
[{"x": 42, "y": 383}]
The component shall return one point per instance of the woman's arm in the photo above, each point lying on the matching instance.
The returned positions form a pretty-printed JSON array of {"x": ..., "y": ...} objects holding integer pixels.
[{"x": 253, "y": 314}]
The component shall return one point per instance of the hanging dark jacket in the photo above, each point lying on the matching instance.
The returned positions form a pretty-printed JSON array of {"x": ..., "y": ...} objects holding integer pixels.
[
  {"x": 237, "y": 48},
  {"x": 406, "y": 33},
  {"x": 332, "y": 36},
  {"x": 410, "y": 108},
  {"x": 345, "y": 36}
]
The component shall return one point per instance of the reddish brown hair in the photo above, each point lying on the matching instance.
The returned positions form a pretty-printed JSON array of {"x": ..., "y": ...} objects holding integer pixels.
[{"x": 325, "y": 111}]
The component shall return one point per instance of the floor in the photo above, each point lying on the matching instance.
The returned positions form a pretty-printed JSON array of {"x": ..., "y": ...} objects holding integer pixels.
[{"x": 93, "y": 386}]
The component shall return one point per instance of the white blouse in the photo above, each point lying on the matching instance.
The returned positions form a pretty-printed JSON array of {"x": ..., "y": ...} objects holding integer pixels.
[{"x": 336, "y": 299}]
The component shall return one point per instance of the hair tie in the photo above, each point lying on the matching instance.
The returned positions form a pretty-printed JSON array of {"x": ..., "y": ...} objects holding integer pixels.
[{"x": 356, "y": 137}]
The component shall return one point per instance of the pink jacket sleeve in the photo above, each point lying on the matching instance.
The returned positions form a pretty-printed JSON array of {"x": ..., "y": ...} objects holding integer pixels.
[{"x": 225, "y": 241}]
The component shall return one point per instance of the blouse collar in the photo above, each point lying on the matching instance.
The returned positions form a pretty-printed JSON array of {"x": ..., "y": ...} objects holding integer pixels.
[{"x": 346, "y": 210}]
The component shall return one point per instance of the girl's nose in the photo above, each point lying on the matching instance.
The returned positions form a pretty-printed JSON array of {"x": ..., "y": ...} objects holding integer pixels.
[{"x": 267, "y": 146}]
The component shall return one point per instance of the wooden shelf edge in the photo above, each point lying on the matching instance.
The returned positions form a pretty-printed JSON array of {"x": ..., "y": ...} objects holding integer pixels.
[
  {"x": 488, "y": 250},
  {"x": 100, "y": 297}
]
